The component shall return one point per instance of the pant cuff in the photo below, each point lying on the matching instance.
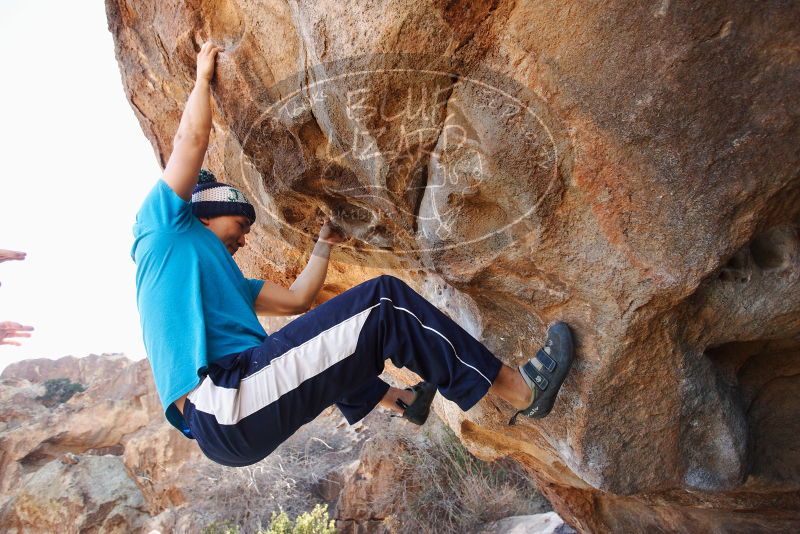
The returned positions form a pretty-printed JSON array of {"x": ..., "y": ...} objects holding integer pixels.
[{"x": 481, "y": 388}]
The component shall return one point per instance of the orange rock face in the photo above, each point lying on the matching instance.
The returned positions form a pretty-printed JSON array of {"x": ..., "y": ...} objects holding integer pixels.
[{"x": 631, "y": 168}]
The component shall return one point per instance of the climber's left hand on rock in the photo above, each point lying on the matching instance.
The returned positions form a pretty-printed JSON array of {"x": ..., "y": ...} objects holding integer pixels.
[{"x": 331, "y": 234}]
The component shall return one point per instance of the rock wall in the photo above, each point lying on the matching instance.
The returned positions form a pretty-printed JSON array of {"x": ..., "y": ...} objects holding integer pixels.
[{"x": 629, "y": 167}]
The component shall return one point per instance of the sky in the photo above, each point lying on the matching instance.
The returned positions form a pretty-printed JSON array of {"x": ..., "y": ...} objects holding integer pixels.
[{"x": 74, "y": 168}]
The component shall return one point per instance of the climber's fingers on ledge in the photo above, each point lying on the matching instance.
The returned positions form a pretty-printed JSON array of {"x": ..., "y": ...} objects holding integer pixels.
[
  {"x": 209, "y": 49},
  {"x": 206, "y": 60}
]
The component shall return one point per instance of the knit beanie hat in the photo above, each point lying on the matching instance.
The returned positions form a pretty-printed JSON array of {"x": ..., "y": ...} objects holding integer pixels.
[{"x": 211, "y": 198}]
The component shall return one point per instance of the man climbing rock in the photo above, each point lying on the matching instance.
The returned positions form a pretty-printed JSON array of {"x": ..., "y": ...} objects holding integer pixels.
[{"x": 240, "y": 392}]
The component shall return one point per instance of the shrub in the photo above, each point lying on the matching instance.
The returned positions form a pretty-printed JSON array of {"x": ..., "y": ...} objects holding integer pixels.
[
  {"x": 443, "y": 488},
  {"x": 314, "y": 522},
  {"x": 58, "y": 390},
  {"x": 221, "y": 527}
]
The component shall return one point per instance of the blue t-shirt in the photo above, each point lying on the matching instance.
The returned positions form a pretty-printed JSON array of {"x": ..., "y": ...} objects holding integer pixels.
[{"x": 195, "y": 305}]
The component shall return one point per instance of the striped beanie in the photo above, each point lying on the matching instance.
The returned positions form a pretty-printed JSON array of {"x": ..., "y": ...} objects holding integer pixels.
[{"x": 211, "y": 198}]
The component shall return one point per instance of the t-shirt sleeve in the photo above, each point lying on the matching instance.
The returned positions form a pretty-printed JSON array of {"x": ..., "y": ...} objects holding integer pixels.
[
  {"x": 255, "y": 286},
  {"x": 163, "y": 209}
]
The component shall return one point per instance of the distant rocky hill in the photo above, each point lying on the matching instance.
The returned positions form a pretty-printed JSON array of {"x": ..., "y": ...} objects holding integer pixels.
[{"x": 89, "y": 369}]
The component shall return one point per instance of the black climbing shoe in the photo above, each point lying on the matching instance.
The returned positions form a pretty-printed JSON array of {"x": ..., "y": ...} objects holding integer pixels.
[
  {"x": 417, "y": 412},
  {"x": 545, "y": 373}
]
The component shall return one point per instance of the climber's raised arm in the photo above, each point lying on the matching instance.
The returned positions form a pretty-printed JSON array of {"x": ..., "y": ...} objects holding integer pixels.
[{"x": 191, "y": 141}]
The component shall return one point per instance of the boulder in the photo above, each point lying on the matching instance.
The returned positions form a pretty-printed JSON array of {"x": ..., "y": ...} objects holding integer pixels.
[
  {"x": 630, "y": 168},
  {"x": 547, "y": 523},
  {"x": 86, "y": 494}
]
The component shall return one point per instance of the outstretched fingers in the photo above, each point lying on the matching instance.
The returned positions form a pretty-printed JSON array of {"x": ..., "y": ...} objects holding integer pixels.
[
  {"x": 10, "y": 329},
  {"x": 7, "y": 255}
]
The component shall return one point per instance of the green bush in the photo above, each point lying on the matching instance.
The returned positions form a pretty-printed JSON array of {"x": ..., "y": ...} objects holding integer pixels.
[
  {"x": 221, "y": 527},
  {"x": 314, "y": 522},
  {"x": 58, "y": 390}
]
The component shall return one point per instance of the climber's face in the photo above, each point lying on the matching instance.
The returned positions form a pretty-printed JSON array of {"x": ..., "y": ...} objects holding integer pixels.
[{"x": 230, "y": 229}]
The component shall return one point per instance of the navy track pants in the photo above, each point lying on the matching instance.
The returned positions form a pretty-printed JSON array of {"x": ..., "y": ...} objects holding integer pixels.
[{"x": 249, "y": 403}]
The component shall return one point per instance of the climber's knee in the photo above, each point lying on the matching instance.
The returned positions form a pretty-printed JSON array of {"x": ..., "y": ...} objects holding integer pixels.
[{"x": 388, "y": 279}]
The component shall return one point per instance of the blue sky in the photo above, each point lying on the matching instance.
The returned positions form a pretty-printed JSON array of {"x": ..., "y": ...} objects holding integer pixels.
[{"x": 74, "y": 168}]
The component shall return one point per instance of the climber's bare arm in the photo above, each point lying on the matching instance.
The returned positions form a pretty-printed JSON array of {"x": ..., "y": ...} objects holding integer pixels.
[
  {"x": 191, "y": 141},
  {"x": 276, "y": 300}
]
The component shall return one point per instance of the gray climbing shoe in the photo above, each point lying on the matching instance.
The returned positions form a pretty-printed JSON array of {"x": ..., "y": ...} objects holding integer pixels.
[
  {"x": 545, "y": 372},
  {"x": 417, "y": 412}
]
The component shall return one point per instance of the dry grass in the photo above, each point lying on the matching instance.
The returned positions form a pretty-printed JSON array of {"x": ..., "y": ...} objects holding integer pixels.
[
  {"x": 443, "y": 488},
  {"x": 285, "y": 480}
]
